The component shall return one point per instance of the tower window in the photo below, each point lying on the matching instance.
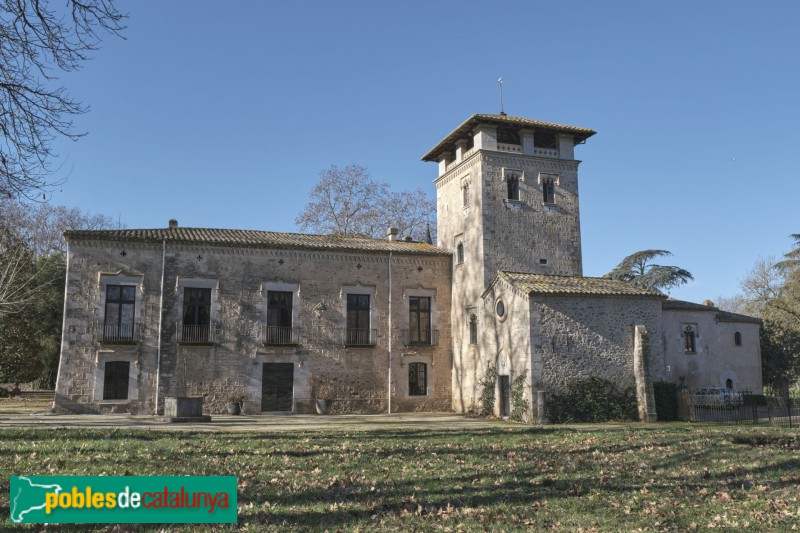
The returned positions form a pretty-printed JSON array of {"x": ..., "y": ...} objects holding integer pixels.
[
  {"x": 512, "y": 184},
  {"x": 548, "y": 191},
  {"x": 465, "y": 195},
  {"x": 507, "y": 135},
  {"x": 737, "y": 339},
  {"x": 460, "y": 253}
]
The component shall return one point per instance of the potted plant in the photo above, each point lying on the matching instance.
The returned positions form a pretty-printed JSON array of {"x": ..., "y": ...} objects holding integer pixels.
[
  {"x": 324, "y": 393},
  {"x": 235, "y": 402}
]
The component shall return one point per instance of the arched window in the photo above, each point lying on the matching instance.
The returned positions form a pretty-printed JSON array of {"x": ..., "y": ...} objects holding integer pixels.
[
  {"x": 728, "y": 383},
  {"x": 473, "y": 329},
  {"x": 688, "y": 340},
  {"x": 512, "y": 183},
  {"x": 737, "y": 339},
  {"x": 460, "y": 253}
]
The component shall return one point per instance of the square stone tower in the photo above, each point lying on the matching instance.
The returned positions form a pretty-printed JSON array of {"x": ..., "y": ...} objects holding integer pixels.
[{"x": 507, "y": 199}]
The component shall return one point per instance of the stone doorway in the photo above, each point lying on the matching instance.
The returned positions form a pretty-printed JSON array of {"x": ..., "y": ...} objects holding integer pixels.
[{"x": 277, "y": 387}]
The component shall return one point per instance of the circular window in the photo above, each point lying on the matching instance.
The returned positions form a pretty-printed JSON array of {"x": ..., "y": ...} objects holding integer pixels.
[{"x": 500, "y": 308}]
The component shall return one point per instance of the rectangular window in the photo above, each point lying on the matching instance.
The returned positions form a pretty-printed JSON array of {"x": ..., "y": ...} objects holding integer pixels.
[
  {"x": 548, "y": 192},
  {"x": 115, "y": 381},
  {"x": 512, "y": 182},
  {"x": 419, "y": 320},
  {"x": 196, "y": 315},
  {"x": 279, "y": 317},
  {"x": 417, "y": 379},
  {"x": 119, "y": 318},
  {"x": 358, "y": 326}
]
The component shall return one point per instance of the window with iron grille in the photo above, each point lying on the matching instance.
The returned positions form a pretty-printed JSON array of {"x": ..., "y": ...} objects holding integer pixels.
[
  {"x": 196, "y": 314},
  {"x": 419, "y": 320},
  {"x": 417, "y": 379},
  {"x": 548, "y": 191},
  {"x": 358, "y": 330},
  {"x": 119, "y": 317},
  {"x": 473, "y": 329},
  {"x": 279, "y": 317},
  {"x": 115, "y": 380}
]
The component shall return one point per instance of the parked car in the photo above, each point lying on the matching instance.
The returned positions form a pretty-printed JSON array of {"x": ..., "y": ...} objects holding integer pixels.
[{"x": 717, "y": 396}]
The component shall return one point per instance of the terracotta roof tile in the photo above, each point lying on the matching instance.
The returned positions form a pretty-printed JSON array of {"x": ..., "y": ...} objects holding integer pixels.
[
  {"x": 258, "y": 239},
  {"x": 725, "y": 316},
  {"x": 578, "y": 285},
  {"x": 682, "y": 305},
  {"x": 581, "y": 134}
]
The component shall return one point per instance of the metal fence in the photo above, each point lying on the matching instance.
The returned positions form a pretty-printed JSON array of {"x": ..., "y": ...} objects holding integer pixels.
[{"x": 738, "y": 407}]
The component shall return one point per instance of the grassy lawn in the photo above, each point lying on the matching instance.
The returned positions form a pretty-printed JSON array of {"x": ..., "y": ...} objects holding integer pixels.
[{"x": 673, "y": 478}]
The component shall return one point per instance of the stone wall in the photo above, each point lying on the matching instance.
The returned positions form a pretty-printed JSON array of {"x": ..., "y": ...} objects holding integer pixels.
[
  {"x": 239, "y": 278},
  {"x": 577, "y": 337}
]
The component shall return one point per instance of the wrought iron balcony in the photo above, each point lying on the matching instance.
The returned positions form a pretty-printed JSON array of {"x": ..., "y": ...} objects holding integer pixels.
[
  {"x": 118, "y": 333},
  {"x": 360, "y": 337},
  {"x": 191, "y": 334},
  {"x": 280, "y": 335},
  {"x": 419, "y": 338}
]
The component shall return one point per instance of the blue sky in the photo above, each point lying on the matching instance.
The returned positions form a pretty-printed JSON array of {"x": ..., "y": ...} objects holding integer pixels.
[{"x": 222, "y": 114}]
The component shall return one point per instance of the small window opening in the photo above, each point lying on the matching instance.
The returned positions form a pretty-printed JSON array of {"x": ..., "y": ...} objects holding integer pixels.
[
  {"x": 512, "y": 183},
  {"x": 542, "y": 261},
  {"x": 465, "y": 194},
  {"x": 729, "y": 384},
  {"x": 473, "y": 329},
  {"x": 689, "y": 340},
  {"x": 460, "y": 253},
  {"x": 549, "y": 192},
  {"x": 737, "y": 339}
]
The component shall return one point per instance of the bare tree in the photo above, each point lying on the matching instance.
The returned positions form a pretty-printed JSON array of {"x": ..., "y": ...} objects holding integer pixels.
[
  {"x": 36, "y": 42},
  {"x": 28, "y": 234},
  {"x": 18, "y": 276},
  {"x": 42, "y": 226},
  {"x": 348, "y": 201}
]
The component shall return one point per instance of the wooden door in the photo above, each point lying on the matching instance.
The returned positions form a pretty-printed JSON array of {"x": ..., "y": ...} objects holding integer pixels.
[{"x": 277, "y": 387}]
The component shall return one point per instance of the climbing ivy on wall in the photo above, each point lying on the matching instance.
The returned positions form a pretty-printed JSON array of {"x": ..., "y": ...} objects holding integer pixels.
[
  {"x": 518, "y": 405},
  {"x": 487, "y": 384}
]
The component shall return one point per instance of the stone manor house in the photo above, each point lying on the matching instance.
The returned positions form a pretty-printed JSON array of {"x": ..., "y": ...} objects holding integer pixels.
[{"x": 388, "y": 324}]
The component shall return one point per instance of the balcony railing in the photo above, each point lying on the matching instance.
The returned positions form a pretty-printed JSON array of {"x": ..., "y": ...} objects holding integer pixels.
[
  {"x": 420, "y": 338},
  {"x": 118, "y": 333},
  {"x": 280, "y": 336},
  {"x": 189, "y": 334},
  {"x": 360, "y": 337},
  {"x": 506, "y": 147},
  {"x": 545, "y": 152}
]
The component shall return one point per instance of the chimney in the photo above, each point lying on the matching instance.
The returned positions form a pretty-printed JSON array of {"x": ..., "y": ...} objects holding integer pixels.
[
  {"x": 408, "y": 238},
  {"x": 391, "y": 233},
  {"x": 173, "y": 223}
]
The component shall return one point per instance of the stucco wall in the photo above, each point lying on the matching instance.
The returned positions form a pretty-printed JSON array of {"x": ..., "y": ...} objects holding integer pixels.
[{"x": 717, "y": 358}]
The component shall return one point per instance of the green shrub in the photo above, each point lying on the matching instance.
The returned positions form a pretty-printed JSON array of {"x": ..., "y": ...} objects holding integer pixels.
[
  {"x": 666, "y": 396},
  {"x": 592, "y": 400}
]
